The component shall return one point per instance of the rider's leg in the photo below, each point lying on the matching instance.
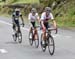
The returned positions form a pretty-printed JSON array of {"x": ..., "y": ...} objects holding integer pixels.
[
  {"x": 31, "y": 26},
  {"x": 14, "y": 28},
  {"x": 44, "y": 32},
  {"x": 35, "y": 34},
  {"x": 18, "y": 26},
  {"x": 35, "y": 31},
  {"x": 44, "y": 35}
]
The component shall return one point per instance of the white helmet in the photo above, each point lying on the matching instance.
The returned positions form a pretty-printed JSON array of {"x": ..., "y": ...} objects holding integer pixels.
[
  {"x": 33, "y": 10},
  {"x": 17, "y": 9},
  {"x": 47, "y": 9}
]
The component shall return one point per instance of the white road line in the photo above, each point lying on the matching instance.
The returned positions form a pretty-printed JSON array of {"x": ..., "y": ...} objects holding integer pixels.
[
  {"x": 11, "y": 25},
  {"x": 3, "y": 51},
  {"x": 5, "y": 22}
]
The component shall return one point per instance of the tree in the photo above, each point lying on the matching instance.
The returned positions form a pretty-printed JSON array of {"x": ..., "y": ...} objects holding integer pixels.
[{"x": 4, "y": 0}]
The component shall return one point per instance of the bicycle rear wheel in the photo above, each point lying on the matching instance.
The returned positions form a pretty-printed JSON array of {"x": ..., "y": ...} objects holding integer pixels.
[
  {"x": 20, "y": 37},
  {"x": 31, "y": 38},
  {"x": 51, "y": 45}
]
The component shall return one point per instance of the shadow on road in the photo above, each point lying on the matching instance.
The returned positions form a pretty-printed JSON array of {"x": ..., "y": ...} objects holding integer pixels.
[{"x": 11, "y": 42}]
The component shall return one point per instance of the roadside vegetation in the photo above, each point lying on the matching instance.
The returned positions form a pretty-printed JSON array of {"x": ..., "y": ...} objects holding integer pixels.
[{"x": 63, "y": 10}]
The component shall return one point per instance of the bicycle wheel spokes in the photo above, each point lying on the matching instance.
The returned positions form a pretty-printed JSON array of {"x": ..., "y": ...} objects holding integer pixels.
[
  {"x": 51, "y": 45},
  {"x": 31, "y": 38},
  {"x": 20, "y": 37}
]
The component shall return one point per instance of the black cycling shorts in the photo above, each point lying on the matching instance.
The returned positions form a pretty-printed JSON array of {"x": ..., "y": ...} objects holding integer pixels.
[
  {"x": 46, "y": 24},
  {"x": 17, "y": 22},
  {"x": 33, "y": 24}
]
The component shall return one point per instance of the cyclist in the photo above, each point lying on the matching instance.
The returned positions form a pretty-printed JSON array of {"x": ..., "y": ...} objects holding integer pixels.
[
  {"x": 15, "y": 19},
  {"x": 45, "y": 17},
  {"x": 33, "y": 17}
]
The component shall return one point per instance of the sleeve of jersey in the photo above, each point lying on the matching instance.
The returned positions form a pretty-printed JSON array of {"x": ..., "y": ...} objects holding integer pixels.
[
  {"x": 29, "y": 16},
  {"x": 51, "y": 16},
  {"x": 42, "y": 16}
]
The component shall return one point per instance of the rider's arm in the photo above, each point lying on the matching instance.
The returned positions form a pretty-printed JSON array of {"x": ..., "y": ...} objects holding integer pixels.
[
  {"x": 54, "y": 22},
  {"x": 42, "y": 20},
  {"x": 42, "y": 23},
  {"x": 12, "y": 18},
  {"x": 29, "y": 18},
  {"x": 38, "y": 18},
  {"x": 22, "y": 18}
]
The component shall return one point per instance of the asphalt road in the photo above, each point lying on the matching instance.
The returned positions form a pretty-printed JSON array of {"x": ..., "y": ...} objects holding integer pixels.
[{"x": 64, "y": 42}]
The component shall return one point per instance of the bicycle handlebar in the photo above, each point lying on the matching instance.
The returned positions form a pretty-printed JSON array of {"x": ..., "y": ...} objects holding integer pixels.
[{"x": 51, "y": 29}]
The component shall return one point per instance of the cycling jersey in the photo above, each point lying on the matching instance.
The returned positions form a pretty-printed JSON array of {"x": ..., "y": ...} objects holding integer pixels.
[
  {"x": 16, "y": 15},
  {"x": 33, "y": 18},
  {"x": 46, "y": 18},
  {"x": 16, "y": 18}
]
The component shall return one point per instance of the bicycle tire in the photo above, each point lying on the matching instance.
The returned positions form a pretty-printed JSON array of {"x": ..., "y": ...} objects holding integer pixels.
[
  {"x": 51, "y": 40},
  {"x": 19, "y": 37},
  {"x": 31, "y": 39}
]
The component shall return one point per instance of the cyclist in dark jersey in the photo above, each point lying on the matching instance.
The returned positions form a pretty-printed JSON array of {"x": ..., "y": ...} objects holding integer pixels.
[{"x": 15, "y": 18}]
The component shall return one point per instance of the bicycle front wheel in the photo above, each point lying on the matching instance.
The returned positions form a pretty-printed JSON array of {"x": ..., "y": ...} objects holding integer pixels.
[
  {"x": 20, "y": 37},
  {"x": 31, "y": 38},
  {"x": 51, "y": 45}
]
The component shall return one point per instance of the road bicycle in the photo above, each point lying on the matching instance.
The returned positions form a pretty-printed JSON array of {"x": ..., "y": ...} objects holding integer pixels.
[
  {"x": 34, "y": 37},
  {"x": 49, "y": 41}
]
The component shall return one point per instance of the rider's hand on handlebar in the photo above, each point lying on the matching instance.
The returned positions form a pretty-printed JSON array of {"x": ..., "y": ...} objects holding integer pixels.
[{"x": 56, "y": 30}]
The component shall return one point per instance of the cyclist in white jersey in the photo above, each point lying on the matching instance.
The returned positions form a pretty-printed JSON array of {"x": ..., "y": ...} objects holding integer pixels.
[
  {"x": 45, "y": 17},
  {"x": 33, "y": 17}
]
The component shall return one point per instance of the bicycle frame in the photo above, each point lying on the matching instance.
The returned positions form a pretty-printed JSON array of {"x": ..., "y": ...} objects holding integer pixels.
[
  {"x": 48, "y": 39},
  {"x": 34, "y": 31},
  {"x": 34, "y": 37}
]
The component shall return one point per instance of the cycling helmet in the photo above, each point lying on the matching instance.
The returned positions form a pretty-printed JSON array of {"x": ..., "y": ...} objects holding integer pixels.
[
  {"x": 17, "y": 9},
  {"x": 33, "y": 10},
  {"x": 47, "y": 9}
]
